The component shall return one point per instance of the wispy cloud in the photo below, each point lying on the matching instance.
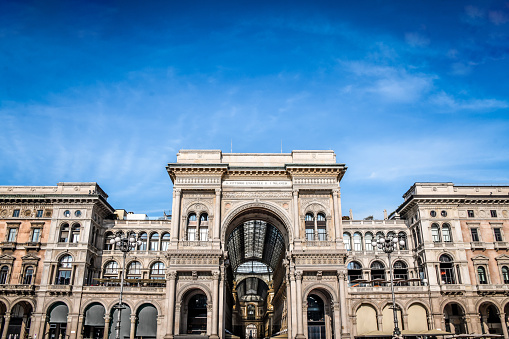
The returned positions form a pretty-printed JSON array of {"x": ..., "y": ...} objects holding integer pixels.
[{"x": 445, "y": 100}]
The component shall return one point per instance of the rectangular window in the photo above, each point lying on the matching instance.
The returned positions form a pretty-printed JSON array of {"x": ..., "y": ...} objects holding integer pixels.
[
  {"x": 39, "y": 214},
  {"x": 493, "y": 213},
  {"x": 204, "y": 234},
  {"x": 498, "y": 234},
  {"x": 15, "y": 214},
  {"x": 36, "y": 234},
  {"x": 191, "y": 234},
  {"x": 475, "y": 234},
  {"x": 310, "y": 234},
  {"x": 322, "y": 234},
  {"x": 434, "y": 234},
  {"x": 470, "y": 213},
  {"x": 11, "y": 236}
]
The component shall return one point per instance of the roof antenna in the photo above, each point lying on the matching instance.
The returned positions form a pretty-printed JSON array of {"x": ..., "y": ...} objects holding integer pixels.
[
  {"x": 231, "y": 145},
  {"x": 281, "y": 145}
]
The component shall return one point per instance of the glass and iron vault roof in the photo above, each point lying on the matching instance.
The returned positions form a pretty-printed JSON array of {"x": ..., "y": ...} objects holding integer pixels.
[{"x": 257, "y": 241}]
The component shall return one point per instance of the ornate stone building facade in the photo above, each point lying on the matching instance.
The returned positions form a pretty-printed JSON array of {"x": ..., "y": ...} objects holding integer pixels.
[{"x": 256, "y": 247}]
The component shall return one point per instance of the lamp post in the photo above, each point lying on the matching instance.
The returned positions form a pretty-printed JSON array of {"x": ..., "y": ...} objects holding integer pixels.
[
  {"x": 125, "y": 242},
  {"x": 388, "y": 245}
]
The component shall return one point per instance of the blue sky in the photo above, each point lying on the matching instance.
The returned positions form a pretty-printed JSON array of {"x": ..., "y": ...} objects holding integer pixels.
[{"x": 109, "y": 91}]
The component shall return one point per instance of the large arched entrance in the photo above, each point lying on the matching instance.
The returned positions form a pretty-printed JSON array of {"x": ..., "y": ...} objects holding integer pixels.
[
  {"x": 19, "y": 324},
  {"x": 454, "y": 317},
  {"x": 256, "y": 241}
]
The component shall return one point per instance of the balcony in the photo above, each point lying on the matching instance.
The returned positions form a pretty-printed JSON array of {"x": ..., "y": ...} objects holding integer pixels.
[
  {"x": 17, "y": 289},
  {"x": 60, "y": 289},
  {"x": 8, "y": 246},
  {"x": 452, "y": 289},
  {"x": 318, "y": 243},
  {"x": 127, "y": 289},
  {"x": 32, "y": 246},
  {"x": 501, "y": 245},
  {"x": 196, "y": 243},
  {"x": 387, "y": 289},
  {"x": 492, "y": 289},
  {"x": 478, "y": 246}
]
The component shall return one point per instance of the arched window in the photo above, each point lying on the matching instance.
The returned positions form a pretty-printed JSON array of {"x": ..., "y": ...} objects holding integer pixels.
[
  {"x": 377, "y": 273},
  {"x": 505, "y": 274},
  {"x": 354, "y": 273},
  {"x": 357, "y": 241},
  {"x": 446, "y": 233},
  {"x": 64, "y": 270},
  {"x": 4, "y": 272},
  {"x": 154, "y": 242},
  {"x": 368, "y": 238},
  {"x": 165, "y": 242},
  {"x": 111, "y": 269},
  {"x": 64, "y": 233},
  {"x": 402, "y": 236},
  {"x": 346, "y": 240},
  {"x": 418, "y": 231},
  {"x": 191, "y": 227},
  {"x": 435, "y": 233},
  {"x": 481, "y": 274},
  {"x": 134, "y": 270},
  {"x": 157, "y": 270},
  {"x": 143, "y": 239},
  {"x": 107, "y": 241},
  {"x": 401, "y": 272},
  {"x": 447, "y": 270},
  {"x": 310, "y": 226},
  {"x": 204, "y": 227},
  {"x": 75, "y": 236},
  {"x": 27, "y": 277},
  {"x": 321, "y": 224}
]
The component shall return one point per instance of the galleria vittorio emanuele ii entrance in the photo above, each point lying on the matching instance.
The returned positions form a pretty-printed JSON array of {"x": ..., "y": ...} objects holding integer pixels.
[{"x": 257, "y": 248}]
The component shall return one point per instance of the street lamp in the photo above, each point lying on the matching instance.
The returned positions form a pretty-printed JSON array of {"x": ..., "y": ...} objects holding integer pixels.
[
  {"x": 125, "y": 242},
  {"x": 388, "y": 245}
]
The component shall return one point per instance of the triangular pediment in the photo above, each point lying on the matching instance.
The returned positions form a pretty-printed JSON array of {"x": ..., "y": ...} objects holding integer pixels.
[
  {"x": 6, "y": 257},
  {"x": 480, "y": 257},
  {"x": 503, "y": 257},
  {"x": 30, "y": 256}
]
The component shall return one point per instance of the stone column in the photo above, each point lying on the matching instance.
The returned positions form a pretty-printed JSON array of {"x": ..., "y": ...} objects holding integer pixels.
[
  {"x": 175, "y": 218},
  {"x": 404, "y": 320},
  {"x": 177, "y": 318},
  {"x": 221, "y": 303},
  {"x": 337, "y": 320},
  {"x": 288, "y": 305},
  {"x": 215, "y": 303},
  {"x": 338, "y": 227},
  {"x": 353, "y": 319},
  {"x": 296, "y": 214},
  {"x": 23, "y": 327},
  {"x": 7, "y": 318},
  {"x": 106, "y": 326},
  {"x": 171, "y": 303},
  {"x": 504, "y": 325},
  {"x": 298, "y": 278},
  {"x": 132, "y": 331},
  {"x": 342, "y": 300},
  {"x": 379, "y": 319},
  {"x": 79, "y": 329},
  {"x": 294, "y": 302},
  {"x": 217, "y": 216}
]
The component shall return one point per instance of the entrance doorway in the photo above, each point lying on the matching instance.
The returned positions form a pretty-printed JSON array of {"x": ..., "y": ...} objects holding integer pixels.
[{"x": 256, "y": 247}]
